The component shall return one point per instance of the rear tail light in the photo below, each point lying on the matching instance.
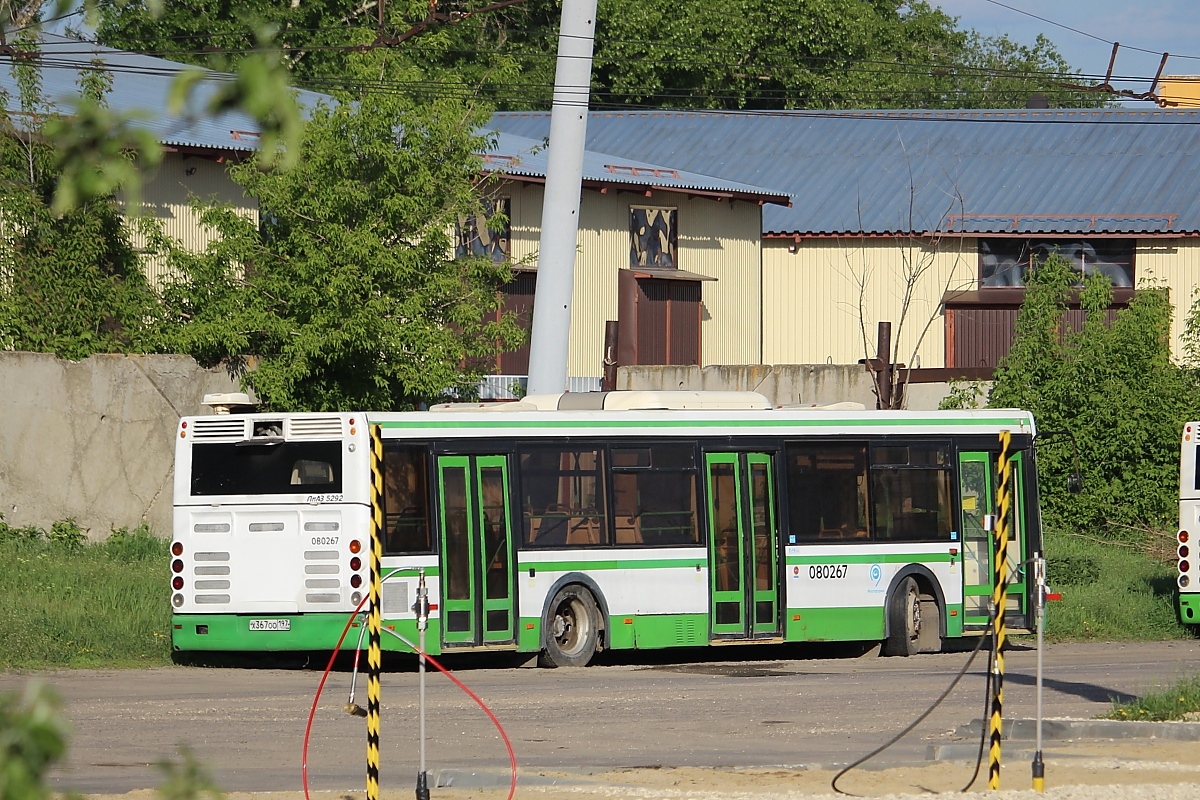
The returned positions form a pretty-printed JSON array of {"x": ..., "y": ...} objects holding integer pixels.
[
  {"x": 356, "y": 563},
  {"x": 1183, "y": 551},
  {"x": 356, "y": 581},
  {"x": 1184, "y": 566},
  {"x": 177, "y": 582},
  {"x": 177, "y": 566}
]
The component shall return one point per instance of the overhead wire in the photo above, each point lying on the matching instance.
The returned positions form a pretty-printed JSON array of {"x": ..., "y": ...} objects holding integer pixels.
[{"x": 1083, "y": 32}]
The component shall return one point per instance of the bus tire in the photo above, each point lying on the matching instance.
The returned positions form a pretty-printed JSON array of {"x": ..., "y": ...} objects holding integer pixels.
[
  {"x": 572, "y": 628},
  {"x": 904, "y": 620}
]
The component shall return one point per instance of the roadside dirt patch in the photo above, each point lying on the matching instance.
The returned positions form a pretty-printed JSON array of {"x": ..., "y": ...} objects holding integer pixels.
[{"x": 1076, "y": 770}]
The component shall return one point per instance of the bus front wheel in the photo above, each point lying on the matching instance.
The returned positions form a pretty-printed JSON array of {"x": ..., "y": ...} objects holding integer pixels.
[
  {"x": 904, "y": 620},
  {"x": 572, "y": 629}
]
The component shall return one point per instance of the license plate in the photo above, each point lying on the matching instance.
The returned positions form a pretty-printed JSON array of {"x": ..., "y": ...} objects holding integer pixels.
[{"x": 270, "y": 624}]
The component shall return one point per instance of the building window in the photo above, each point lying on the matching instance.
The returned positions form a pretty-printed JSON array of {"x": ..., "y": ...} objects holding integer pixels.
[
  {"x": 653, "y": 237},
  {"x": 1005, "y": 263},
  {"x": 486, "y": 234}
]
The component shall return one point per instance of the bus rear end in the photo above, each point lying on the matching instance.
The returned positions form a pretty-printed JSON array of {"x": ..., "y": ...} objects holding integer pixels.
[
  {"x": 1189, "y": 524},
  {"x": 271, "y": 530}
]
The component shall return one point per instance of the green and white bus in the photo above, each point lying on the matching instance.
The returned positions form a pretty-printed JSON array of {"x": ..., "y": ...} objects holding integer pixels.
[
  {"x": 563, "y": 525},
  {"x": 1189, "y": 524}
]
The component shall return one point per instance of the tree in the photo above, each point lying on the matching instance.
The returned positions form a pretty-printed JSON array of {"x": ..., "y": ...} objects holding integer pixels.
[
  {"x": 70, "y": 283},
  {"x": 703, "y": 54},
  {"x": 349, "y": 296},
  {"x": 1115, "y": 388}
]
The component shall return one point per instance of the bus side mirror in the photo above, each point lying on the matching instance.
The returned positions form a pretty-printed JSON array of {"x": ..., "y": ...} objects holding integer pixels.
[{"x": 1074, "y": 483}]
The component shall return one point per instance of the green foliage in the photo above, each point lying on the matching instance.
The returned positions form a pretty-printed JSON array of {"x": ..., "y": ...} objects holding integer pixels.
[
  {"x": 1175, "y": 702},
  {"x": 70, "y": 603},
  {"x": 33, "y": 737},
  {"x": 1115, "y": 389},
  {"x": 186, "y": 779},
  {"x": 349, "y": 297},
  {"x": 71, "y": 282},
  {"x": 1112, "y": 591},
  {"x": 963, "y": 395},
  {"x": 701, "y": 54}
]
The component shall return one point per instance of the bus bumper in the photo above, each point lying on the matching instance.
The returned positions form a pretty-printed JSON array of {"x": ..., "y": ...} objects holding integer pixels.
[
  {"x": 1189, "y": 609},
  {"x": 281, "y": 633}
]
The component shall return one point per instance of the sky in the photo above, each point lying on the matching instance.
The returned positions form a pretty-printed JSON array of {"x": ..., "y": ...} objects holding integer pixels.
[{"x": 1156, "y": 25}]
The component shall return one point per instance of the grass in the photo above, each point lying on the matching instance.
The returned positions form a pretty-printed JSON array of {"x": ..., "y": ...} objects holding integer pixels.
[
  {"x": 69, "y": 603},
  {"x": 1171, "y": 703},
  {"x": 1110, "y": 593}
]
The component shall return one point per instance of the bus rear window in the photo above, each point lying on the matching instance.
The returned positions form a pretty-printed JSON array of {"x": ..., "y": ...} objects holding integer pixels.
[{"x": 276, "y": 468}]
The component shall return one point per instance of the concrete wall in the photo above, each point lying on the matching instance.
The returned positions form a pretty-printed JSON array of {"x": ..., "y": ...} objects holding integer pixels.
[
  {"x": 806, "y": 384},
  {"x": 95, "y": 439}
]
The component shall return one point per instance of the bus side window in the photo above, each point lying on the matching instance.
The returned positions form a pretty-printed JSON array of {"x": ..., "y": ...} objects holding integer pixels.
[
  {"x": 910, "y": 489},
  {"x": 562, "y": 494},
  {"x": 827, "y": 491},
  {"x": 406, "y": 499},
  {"x": 654, "y": 495}
]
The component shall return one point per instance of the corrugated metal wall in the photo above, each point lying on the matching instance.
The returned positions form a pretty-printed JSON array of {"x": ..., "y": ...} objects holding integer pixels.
[
  {"x": 166, "y": 197},
  {"x": 812, "y": 296},
  {"x": 1174, "y": 263},
  {"x": 716, "y": 238}
]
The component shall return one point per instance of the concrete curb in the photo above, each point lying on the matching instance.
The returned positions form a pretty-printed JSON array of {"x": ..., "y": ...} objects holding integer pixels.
[
  {"x": 1065, "y": 729},
  {"x": 492, "y": 779}
]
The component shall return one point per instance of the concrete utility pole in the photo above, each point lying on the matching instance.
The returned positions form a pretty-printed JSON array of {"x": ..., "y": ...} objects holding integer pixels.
[{"x": 548, "y": 345}]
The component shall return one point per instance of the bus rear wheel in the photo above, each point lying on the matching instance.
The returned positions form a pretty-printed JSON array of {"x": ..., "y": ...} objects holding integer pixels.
[
  {"x": 572, "y": 629},
  {"x": 904, "y": 620}
]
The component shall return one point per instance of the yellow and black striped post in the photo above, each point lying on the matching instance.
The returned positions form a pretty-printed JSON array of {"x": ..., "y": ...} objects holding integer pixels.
[
  {"x": 374, "y": 656},
  {"x": 1000, "y": 601}
]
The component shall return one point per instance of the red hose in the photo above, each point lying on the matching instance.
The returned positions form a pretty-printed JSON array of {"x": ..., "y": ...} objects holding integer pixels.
[
  {"x": 512, "y": 756},
  {"x": 312, "y": 712}
]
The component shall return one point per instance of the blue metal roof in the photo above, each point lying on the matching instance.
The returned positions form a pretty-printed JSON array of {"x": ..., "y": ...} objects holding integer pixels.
[
  {"x": 522, "y": 156},
  {"x": 1113, "y": 171},
  {"x": 142, "y": 83}
]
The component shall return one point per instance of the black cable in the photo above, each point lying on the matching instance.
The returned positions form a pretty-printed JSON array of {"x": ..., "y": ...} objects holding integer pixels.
[
  {"x": 987, "y": 707},
  {"x": 833, "y": 783}
]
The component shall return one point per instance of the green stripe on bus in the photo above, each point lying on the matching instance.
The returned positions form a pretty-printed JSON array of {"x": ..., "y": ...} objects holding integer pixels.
[
  {"x": 649, "y": 563},
  {"x": 882, "y": 422},
  {"x": 870, "y": 558}
]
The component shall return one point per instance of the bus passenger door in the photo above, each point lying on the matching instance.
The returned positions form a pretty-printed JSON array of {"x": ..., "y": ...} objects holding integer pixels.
[
  {"x": 975, "y": 476},
  {"x": 476, "y": 550},
  {"x": 978, "y": 485},
  {"x": 742, "y": 545}
]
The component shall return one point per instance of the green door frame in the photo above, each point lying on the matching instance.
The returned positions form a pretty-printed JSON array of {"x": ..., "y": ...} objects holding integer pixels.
[
  {"x": 742, "y": 545},
  {"x": 475, "y": 546},
  {"x": 979, "y": 545}
]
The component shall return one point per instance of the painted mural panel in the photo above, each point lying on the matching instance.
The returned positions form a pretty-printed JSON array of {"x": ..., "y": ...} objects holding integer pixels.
[
  {"x": 654, "y": 237},
  {"x": 487, "y": 234}
]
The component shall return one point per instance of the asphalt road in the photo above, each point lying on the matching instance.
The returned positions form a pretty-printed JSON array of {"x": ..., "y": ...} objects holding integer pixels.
[{"x": 736, "y": 708}]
